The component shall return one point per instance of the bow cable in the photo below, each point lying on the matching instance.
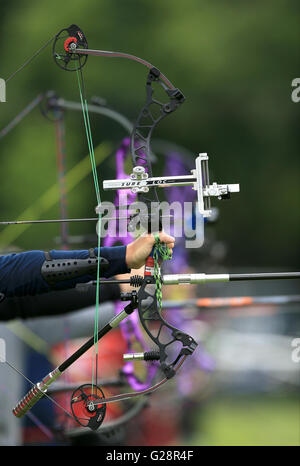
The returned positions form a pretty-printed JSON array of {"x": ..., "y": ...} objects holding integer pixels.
[{"x": 29, "y": 60}]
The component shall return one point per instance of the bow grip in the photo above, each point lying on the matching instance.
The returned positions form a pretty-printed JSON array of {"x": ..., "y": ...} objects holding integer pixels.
[
  {"x": 149, "y": 264},
  {"x": 35, "y": 394}
]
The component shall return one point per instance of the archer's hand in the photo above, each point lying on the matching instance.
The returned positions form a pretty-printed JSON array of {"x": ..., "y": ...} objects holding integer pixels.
[{"x": 138, "y": 251}]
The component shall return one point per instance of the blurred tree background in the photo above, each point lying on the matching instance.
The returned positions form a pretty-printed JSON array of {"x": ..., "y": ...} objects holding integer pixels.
[{"x": 234, "y": 61}]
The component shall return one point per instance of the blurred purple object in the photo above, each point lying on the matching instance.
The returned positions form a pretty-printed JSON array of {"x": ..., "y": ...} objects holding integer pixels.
[{"x": 130, "y": 327}]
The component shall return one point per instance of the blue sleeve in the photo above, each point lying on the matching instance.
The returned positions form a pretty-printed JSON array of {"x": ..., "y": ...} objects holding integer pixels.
[{"x": 20, "y": 274}]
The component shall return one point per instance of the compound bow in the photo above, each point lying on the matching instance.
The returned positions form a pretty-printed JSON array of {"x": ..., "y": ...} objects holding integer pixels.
[{"x": 88, "y": 403}]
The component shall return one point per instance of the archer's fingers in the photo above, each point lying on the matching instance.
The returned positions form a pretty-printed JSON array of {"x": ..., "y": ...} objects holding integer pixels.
[{"x": 167, "y": 239}]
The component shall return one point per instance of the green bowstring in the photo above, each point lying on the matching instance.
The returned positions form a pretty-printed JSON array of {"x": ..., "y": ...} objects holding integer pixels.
[
  {"x": 161, "y": 252},
  {"x": 87, "y": 126}
]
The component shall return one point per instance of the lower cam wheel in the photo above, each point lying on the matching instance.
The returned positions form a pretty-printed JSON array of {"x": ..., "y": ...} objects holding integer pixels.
[{"x": 86, "y": 406}]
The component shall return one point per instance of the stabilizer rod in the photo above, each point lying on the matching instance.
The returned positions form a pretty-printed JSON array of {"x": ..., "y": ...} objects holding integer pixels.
[
  {"x": 199, "y": 278},
  {"x": 39, "y": 389}
]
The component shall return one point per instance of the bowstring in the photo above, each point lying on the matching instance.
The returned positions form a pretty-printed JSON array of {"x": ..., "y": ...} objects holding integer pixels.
[{"x": 87, "y": 126}]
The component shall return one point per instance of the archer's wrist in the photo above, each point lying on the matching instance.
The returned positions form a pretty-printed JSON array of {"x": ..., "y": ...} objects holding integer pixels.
[{"x": 116, "y": 257}]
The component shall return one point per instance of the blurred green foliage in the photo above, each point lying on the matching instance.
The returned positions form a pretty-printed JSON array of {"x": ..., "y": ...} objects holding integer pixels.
[{"x": 234, "y": 61}]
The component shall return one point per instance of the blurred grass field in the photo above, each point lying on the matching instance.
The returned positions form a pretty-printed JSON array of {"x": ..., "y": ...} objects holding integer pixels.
[{"x": 249, "y": 421}]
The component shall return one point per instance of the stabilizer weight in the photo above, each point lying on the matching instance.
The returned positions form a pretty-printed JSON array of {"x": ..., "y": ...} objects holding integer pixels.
[{"x": 35, "y": 394}]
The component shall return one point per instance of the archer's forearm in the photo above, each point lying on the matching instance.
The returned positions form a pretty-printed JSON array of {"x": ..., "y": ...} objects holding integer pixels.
[{"x": 21, "y": 274}]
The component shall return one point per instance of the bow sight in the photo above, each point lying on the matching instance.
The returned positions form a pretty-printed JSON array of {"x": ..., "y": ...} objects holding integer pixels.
[{"x": 140, "y": 182}]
